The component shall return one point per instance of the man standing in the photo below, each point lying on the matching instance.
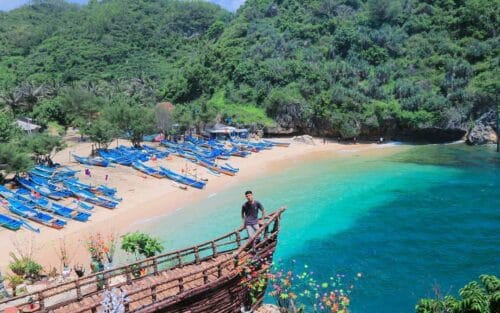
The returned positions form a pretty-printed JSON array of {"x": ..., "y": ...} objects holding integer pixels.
[{"x": 250, "y": 214}]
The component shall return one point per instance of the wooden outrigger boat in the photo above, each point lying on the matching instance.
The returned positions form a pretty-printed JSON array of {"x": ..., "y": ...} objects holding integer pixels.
[
  {"x": 138, "y": 165},
  {"x": 97, "y": 161},
  {"x": 201, "y": 279},
  {"x": 224, "y": 169}
]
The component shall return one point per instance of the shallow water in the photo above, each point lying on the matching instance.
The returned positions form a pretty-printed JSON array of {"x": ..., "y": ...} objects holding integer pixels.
[{"x": 422, "y": 217}]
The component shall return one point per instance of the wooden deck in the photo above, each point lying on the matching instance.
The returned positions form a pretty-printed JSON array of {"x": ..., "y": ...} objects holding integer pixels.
[{"x": 203, "y": 278}]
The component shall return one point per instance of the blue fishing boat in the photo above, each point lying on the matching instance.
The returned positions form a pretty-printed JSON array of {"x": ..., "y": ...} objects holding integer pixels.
[
  {"x": 42, "y": 174},
  {"x": 51, "y": 185},
  {"x": 182, "y": 179},
  {"x": 31, "y": 213},
  {"x": 147, "y": 169},
  {"x": 44, "y": 191},
  {"x": 52, "y": 207},
  {"x": 9, "y": 222},
  {"x": 13, "y": 223},
  {"x": 227, "y": 169},
  {"x": 83, "y": 205},
  {"x": 87, "y": 196},
  {"x": 115, "y": 157},
  {"x": 100, "y": 189},
  {"x": 54, "y": 173},
  {"x": 97, "y": 161},
  {"x": 156, "y": 152},
  {"x": 135, "y": 154}
]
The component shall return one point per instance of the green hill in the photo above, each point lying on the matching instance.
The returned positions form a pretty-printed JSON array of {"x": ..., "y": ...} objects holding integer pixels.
[{"x": 410, "y": 69}]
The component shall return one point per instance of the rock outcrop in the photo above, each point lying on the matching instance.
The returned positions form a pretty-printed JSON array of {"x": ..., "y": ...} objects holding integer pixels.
[
  {"x": 304, "y": 139},
  {"x": 483, "y": 130}
]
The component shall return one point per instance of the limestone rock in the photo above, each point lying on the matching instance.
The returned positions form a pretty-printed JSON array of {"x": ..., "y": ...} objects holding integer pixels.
[
  {"x": 481, "y": 134},
  {"x": 278, "y": 130},
  {"x": 483, "y": 130},
  {"x": 304, "y": 139}
]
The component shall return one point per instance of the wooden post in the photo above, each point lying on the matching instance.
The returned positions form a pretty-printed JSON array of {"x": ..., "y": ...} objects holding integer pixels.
[
  {"x": 238, "y": 239},
  {"x": 276, "y": 225},
  {"x": 219, "y": 270},
  {"x": 196, "y": 255},
  {"x": 214, "y": 250},
  {"x": 129, "y": 277},
  {"x": 205, "y": 277},
  {"x": 236, "y": 261},
  {"x": 181, "y": 285},
  {"x": 153, "y": 293},
  {"x": 78, "y": 290},
  {"x": 179, "y": 260},
  {"x": 106, "y": 280},
  {"x": 266, "y": 231},
  {"x": 41, "y": 300},
  {"x": 155, "y": 266}
]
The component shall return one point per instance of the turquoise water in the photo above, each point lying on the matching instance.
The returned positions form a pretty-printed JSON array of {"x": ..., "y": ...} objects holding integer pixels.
[{"x": 421, "y": 218}]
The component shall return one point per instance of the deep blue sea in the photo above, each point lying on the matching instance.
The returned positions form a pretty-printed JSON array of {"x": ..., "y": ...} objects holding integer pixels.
[{"x": 412, "y": 220}]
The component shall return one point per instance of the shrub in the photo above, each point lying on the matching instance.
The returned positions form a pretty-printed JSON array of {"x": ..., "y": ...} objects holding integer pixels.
[
  {"x": 25, "y": 267},
  {"x": 139, "y": 243},
  {"x": 476, "y": 297}
]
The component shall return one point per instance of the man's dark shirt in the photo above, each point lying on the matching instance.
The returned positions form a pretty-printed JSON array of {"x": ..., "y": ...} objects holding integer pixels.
[{"x": 250, "y": 211}]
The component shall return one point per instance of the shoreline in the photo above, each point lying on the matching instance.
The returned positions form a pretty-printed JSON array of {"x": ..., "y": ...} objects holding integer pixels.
[{"x": 146, "y": 198}]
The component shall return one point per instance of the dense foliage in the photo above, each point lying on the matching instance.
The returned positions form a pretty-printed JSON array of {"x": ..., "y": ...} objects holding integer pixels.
[
  {"x": 476, "y": 297},
  {"x": 142, "y": 244},
  {"x": 333, "y": 67}
]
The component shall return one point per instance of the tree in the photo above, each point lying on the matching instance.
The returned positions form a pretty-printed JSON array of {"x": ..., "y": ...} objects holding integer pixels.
[
  {"x": 6, "y": 127},
  {"x": 101, "y": 132},
  {"x": 131, "y": 120},
  {"x": 13, "y": 160},
  {"x": 139, "y": 243},
  {"x": 163, "y": 117},
  {"x": 80, "y": 106},
  {"x": 49, "y": 110},
  {"x": 43, "y": 146}
]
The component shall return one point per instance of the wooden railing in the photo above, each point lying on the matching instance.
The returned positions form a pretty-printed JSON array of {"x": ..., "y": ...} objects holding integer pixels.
[{"x": 234, "y": 244}]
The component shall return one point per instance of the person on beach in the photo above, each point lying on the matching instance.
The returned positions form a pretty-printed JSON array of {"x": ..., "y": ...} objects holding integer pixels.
[{"x": 250, "y": 213}]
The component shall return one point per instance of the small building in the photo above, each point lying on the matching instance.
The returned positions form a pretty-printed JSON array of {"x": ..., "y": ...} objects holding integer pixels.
[
  {"x": 27, "y": 125},
  {"x": 223, "y": 132}
]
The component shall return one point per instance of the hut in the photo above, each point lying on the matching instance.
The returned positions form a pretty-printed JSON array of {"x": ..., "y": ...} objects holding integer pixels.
[
  {"x": 27, "y": 125},
  {"x": 223, "y": 132}
]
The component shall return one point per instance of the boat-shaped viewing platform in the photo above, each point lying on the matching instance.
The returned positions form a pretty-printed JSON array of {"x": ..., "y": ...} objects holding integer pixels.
[{"x": 203, "y": 278}]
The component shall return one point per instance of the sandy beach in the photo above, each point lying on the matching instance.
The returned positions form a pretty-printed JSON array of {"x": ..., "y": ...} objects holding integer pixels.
[{"x": 146, "y": 197}]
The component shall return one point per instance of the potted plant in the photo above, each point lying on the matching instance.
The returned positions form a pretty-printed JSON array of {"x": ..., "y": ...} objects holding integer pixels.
[
  {"x": 63, "y": 253},
  {"x": 79, "y": 270},
  {"x": 109, "y": 250},
  {"x": 25, "y": 267}
]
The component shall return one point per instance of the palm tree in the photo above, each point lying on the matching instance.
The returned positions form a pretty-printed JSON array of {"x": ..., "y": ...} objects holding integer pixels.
[
  {"x": 12, "y": 99},
  {"x": 32, "y": 94}
]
